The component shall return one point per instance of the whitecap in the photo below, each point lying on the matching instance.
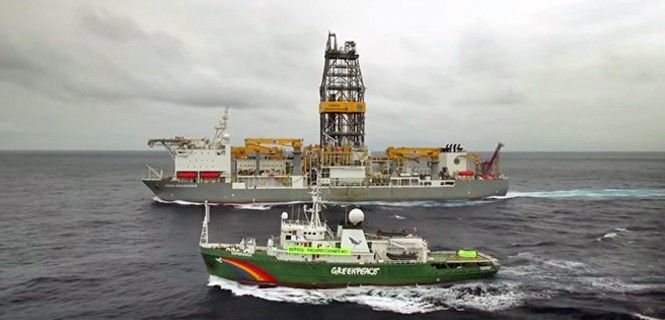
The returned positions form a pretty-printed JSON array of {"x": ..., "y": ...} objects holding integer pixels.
[
  {"x": 616, "y": 285},
  {"x": 610, "y": 235},
  {"x": 641, "y": 316}
]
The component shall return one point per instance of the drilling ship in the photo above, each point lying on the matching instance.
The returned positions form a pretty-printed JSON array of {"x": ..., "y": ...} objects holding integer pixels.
[
  {"x": 309, "y": 254},
  {"x": 270, "y": 170}
]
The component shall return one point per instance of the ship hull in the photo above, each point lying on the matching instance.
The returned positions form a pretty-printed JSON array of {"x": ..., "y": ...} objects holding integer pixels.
[
  {"x": 169, "y": 190},
  {"x": 265, "y": 270}
]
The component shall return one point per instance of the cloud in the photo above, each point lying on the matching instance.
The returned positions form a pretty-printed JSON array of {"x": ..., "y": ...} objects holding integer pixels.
[
  {"x": 539, "y": 75},
  {"x": 109, "y": 57}
]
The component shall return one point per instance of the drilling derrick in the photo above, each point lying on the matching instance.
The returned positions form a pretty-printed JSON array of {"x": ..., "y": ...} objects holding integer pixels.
[{"x": 342, "y": 91}]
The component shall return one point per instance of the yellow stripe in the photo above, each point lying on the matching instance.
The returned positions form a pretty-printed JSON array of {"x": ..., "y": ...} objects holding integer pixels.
[{"x": 342, "y": 106}]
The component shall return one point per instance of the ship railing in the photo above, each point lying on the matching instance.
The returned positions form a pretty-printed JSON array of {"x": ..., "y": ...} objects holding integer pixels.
[
  {"x": 155, "y": 173},
  {"x": 347, "y": 182},
  {"x": 253, "y": 182}
]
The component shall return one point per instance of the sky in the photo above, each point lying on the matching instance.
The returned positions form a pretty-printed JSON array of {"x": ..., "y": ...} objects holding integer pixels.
[{"x": 536, "y": 75}]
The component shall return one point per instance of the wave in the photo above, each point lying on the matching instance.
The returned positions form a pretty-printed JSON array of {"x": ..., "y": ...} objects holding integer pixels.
[
  {"x": 641, "y": 316},
  {"x": 557, "y": 275},
  {"x": 612, "y": 234},
  {"x": 485, "y": 296},
  {"x": 587, "y": 193}
]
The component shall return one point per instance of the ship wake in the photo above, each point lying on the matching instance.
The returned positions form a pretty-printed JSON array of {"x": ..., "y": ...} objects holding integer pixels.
[
  {"x": 242, "y": 206},
  {"x": 587, "y": 193},
  {"x": 485, "y": 296},
  {"x": 421, "y": 204},
  {"x": 180, "y": 202},
  {"x": 269, "y": 205}
]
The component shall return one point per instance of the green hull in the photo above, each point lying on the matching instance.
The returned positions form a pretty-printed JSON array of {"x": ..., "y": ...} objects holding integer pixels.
[{"x": 265, "y": 270}]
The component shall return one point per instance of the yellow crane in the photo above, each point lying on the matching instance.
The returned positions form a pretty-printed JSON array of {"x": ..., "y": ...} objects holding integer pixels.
[
  {"x": 244, "y": 152},
  {"x": 266, "y": 146},
  {"x": 296, "y": 144},
  {"x": 412, "y": 153}
]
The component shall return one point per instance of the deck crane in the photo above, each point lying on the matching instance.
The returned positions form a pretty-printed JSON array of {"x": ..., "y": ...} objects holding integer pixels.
[
  {"x": 294, "y": 143},
  {"x": 266, "y": 146},
  {"x": 490, "y": 164},
  {"x": 402, "y": 154},
  {"x": 244, "y": 152}
]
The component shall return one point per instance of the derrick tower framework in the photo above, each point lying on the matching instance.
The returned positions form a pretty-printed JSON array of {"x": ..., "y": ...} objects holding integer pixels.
[{"x": 342, "y": 92}]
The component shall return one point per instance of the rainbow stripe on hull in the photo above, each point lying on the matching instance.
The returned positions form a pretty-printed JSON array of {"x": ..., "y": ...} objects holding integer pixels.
[{"x": 248, "y": 271}]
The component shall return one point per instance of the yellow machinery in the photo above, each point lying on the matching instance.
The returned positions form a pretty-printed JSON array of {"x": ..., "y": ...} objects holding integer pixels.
[
  {"x": 402, "y": 154},
  {"x": 244, "y": 152},
  {"x": 266, "y": 146},
  {"x": 296, "y": 144}
]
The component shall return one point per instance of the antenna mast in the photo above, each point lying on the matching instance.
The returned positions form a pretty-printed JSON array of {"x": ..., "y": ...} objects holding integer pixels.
[{"x": 221, "y": 135}]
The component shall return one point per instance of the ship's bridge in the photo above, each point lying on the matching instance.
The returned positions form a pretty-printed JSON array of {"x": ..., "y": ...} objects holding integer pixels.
[{"x": 299, "y": 230}]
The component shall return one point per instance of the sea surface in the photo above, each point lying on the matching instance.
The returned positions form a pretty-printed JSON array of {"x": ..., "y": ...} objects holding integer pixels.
[{"x": 579, "y": 235}]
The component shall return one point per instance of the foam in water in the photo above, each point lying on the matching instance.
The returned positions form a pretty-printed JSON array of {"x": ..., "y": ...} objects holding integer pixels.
[
  {"x": 641, "y": 316},
  {"x": 251, "y": 206},
  {"x": 424, "y": 204},
  {"x": 487, "y": 296},
  {"x": 180, "y": 202},
  {"x": 243, "y": 206},
  {"x": 612, "y": 235},
  {"x": 268, "y": 205},
  {"x": 609, "y": 235},
  {"x": 261, "y": 205},
  {"x": 587, "y": 193},
  {"x": 569, "y": 276}
]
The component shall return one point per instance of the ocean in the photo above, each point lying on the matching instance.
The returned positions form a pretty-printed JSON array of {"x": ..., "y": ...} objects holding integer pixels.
[{"x": 579, "y": 236}]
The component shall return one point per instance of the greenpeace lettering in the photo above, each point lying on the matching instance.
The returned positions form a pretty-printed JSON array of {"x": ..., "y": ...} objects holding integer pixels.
[
  {"x": 355, "y": 271},
  {"x": 322, "y": 251}
]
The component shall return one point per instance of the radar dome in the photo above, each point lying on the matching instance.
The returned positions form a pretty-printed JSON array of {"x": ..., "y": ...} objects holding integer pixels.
[
  {"x": 356, "y": 216},
  {"x": 284, "y": 215}
]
